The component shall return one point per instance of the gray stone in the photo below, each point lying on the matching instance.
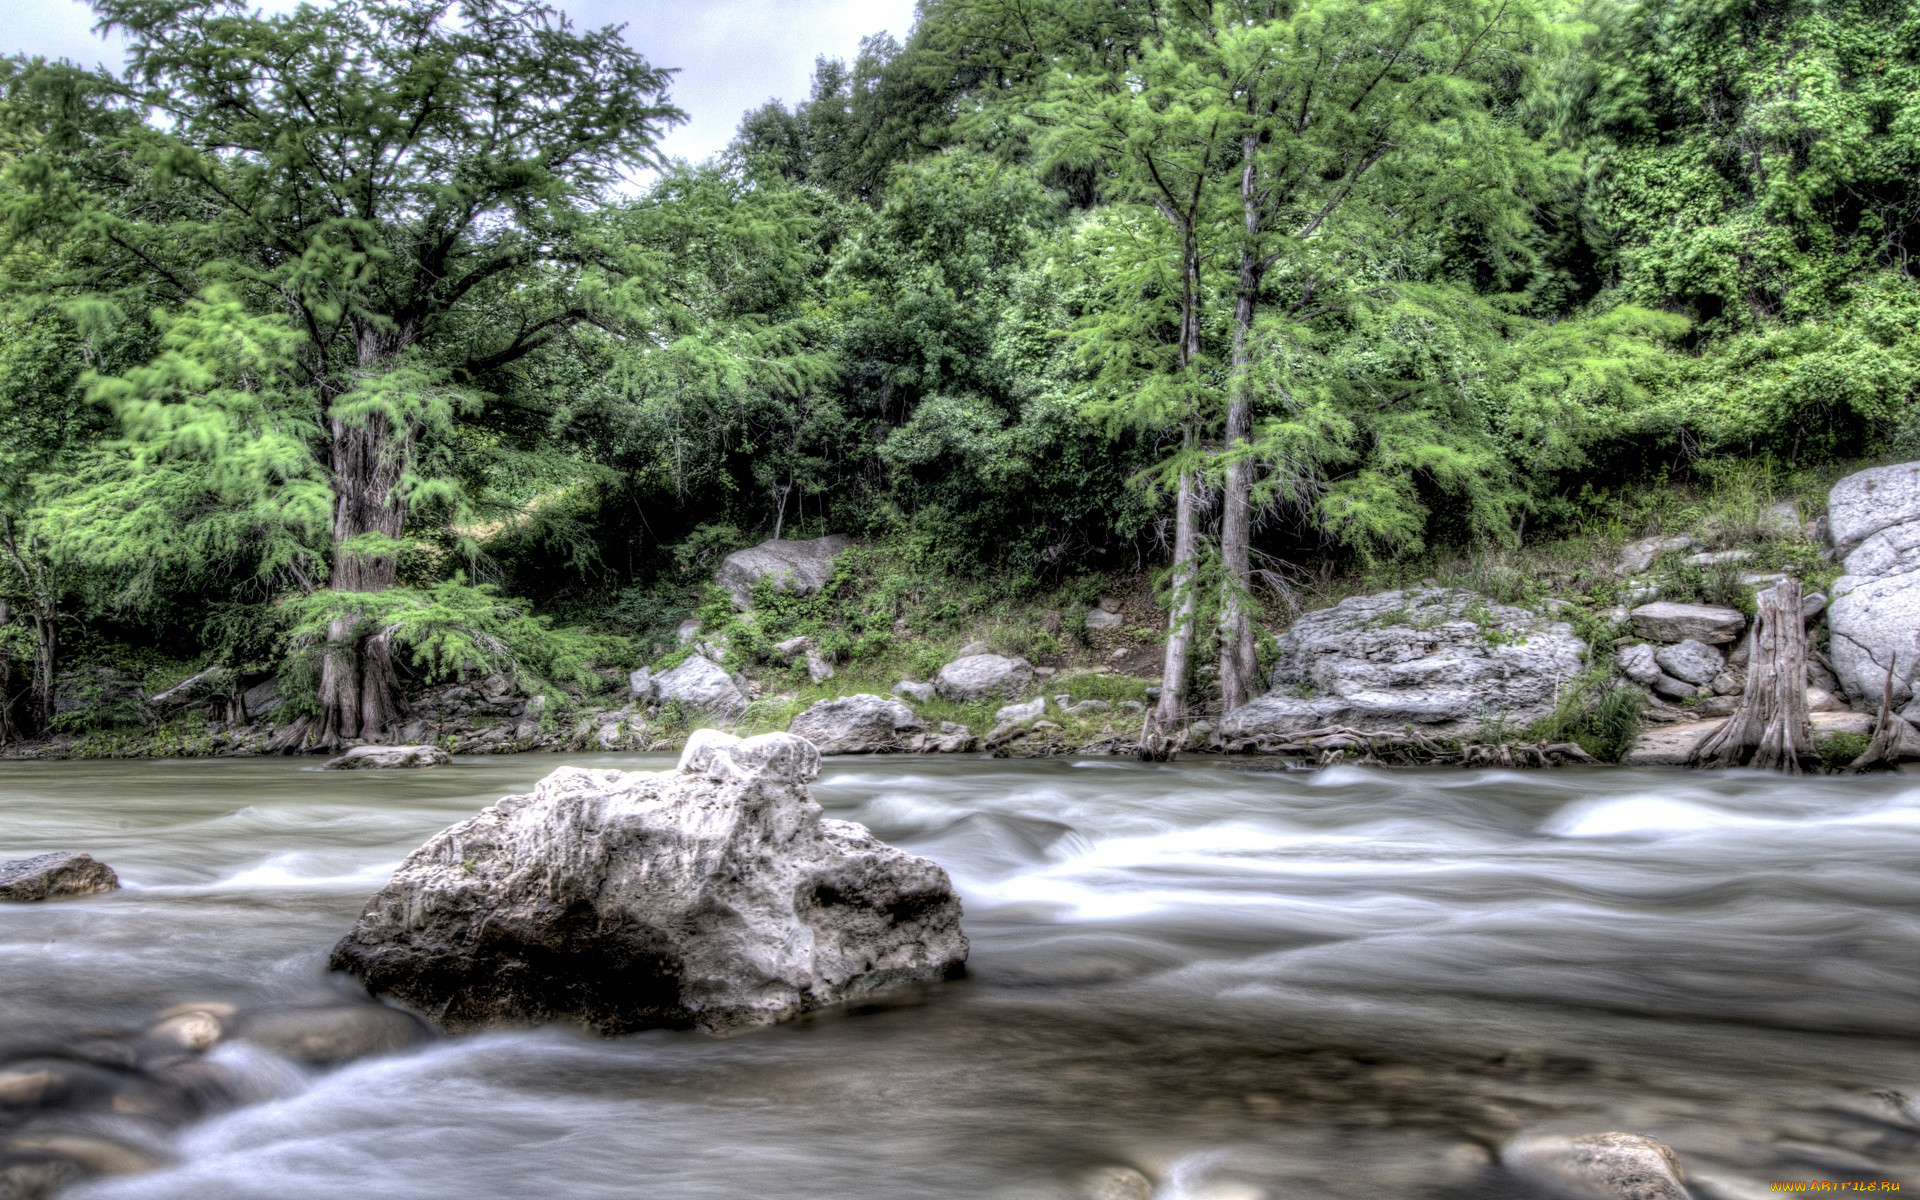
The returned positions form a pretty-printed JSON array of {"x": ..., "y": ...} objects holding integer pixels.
[
  {"x": 1018, "y": 714},
  {"x": 700, "y": 683},
  {"x": 1111, "y": 604},
  {"x": 974, "y": 647},
  {"x": 262, "y": 699},
  {"x": 1691, "y": 661},
  {"x": 1867, "y": 502},
  {"x": 1442, "y": 659},
  {"x": 858, "y": 724},
  {"x": 1821, "y": 700},
  {"x": 919, "y": 693},
  {"x": 1715, "y": 558},
  {"x": 1636, "y": 557},
  {"x": 686, "y": 631},
  {"x": 714, "y": 896},
  {"x": 1728, "y": 683},
  {"x": 1086, "y": 707},
  {"x": 1637, "y": 662},
  {"x": 1782, "y": 518},
  {"x": 331, "y": 1034},
  {"x": 953, "y": 738},
  {"x": 983, "y": 676},
  {"x": 640, "y": 685},
  {"x": 1891, "y": 551},
  {"x": 799, "y": 567},
  {"x": 1668, "y": 621},
  {"x": 1874, "y": 624},
  {"x": 1100, "y": 618},
  {"x": 212, "y": 683},
  {"x": 387, "y": 758},
  {"x": 1812, "y": 605},
  {"x": 55, "y": 876},
  {"x": 1597, "y": 1166},
  {"x": 1677, "y": 689},
  {"x": 819, "y": 670}
]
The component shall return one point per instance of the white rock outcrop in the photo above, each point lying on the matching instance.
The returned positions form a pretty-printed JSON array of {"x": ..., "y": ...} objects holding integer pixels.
[
  {"x": 1669, "y": 621},
  {"x": 1874, "y": 617},
  {"x": 388, "y": 758},
  {"x": 699, "y": 683},
  {"x": 1443, "y": 660},
  {"x": 982, "y": 677},
  {"x": 858, "y": 724},
  {"x": 800, "y": 567},
  {"x": 714, "y": 896},
  {"x": 1691, "y": 661}
]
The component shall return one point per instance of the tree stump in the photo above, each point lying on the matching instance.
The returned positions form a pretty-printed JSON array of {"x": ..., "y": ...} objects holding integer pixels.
[{"x": 1770, "y": 728}]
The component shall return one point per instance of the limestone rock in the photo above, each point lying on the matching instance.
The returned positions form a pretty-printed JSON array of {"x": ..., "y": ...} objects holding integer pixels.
[
  {"x": 1637, "y": 662},
  {"x": 1867, "y": 502},
  {"x": 212, "y": 683},
  {"x": 952, "y": 738},
  {"x": 1819, "y": 700},
  {"x": 1668, "y": 621},
  {"x": 1874, "y": 624},
  {"x": 799, "y": 567},
  {"x": 53, "y": 876},
  {"x": 1017, "y": 714},
  {"x": 1636, "y": 557},
  {"x": 387, "y": 758},
  {"x": 1812, "y": 605},
  {"x": 714, "y": 896},
  {"x": 859, "y": 724},
  {"x": 1100, "y": 618},
  {"x": 1892, "y": 551},
  {"x": 982, "y": 676},
  {"x": 818, "y": 668},
  {"x": 1716, "y": 557},
  {"x": 1445, "y": 660},
  {"x": 974, "y": 647},
  {"x": 1597, "y": 1166},
  {"x": 1691, "y": 661},
  {"x": 700, "y": 683},
  {"x": 262, "y": 698},
  {"x": 919, "y": 693},
  {"x": 1676, "y": 689}
]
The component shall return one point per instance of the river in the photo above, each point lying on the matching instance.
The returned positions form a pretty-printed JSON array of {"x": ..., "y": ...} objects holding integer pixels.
[{"x": 1238, "y": 983}]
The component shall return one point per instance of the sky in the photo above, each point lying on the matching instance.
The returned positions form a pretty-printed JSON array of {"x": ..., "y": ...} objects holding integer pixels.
[{"x": 733, "y": 55}]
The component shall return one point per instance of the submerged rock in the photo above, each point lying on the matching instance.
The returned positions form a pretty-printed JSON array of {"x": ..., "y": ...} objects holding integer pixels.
[
  {"x": 388, "y": 758},
  {"x": 53, "y": 876},
  {"x": 714, "y": 896},
  {"x": 1597, "y": 1166},
  {"x": 858, "y": 724},
  {"x": 1440, "y": 659}
]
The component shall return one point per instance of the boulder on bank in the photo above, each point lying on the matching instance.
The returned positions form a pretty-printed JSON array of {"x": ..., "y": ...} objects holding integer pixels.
[
  {"x": 1875, "y": 613},
  {"x": 714, "y": 896},
  {"x": 1670, "y": 621},
  {"x": 858, "y": 724},
  {"x": 1691, "y": 661},
  {"x": 1441, "y": 659},
  {"x": 983, "y": 676},
  {"x": 388, "y": 758},
  {"x": 919, "y": 693},
  {"x": 54, "y": 876},
  {"x": 799, "y": 567},
  {"x": 699, "y": 683}
]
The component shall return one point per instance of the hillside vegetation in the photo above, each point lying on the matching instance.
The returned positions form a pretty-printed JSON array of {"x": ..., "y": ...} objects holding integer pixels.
[{"x": 340, "y": 345}]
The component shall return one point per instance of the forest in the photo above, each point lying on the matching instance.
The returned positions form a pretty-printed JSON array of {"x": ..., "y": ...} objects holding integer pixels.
[{"x": 375, "y": 343}]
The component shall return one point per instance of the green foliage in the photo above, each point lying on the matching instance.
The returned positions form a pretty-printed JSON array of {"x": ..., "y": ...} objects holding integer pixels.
[
  {"x": 1838, "y": 750},
  {"x": 1603, "y": 719}
]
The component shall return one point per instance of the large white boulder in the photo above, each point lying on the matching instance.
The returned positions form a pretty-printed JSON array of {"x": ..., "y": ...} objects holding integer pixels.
[
  {"x": 1867, "y": 502},
  {"x": 714, "y": 896},
  {"x": 1694, "y": 662},
  {"x": 983, "y": 676},
  {"x": 799, "y": 567},
  {"x": 1440, "y": 659},
  {"x": 699, "y": 683},
  {"x": 859, "y": 724}
]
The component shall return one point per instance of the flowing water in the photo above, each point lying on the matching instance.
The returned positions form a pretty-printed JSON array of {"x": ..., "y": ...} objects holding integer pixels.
[{"x": 1238, "y": 983}]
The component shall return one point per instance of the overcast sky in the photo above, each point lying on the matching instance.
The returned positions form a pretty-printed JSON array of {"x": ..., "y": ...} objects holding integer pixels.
[{"x": 733, "y": 54}]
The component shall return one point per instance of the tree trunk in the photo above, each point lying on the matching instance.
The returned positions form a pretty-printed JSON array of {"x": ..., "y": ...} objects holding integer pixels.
[
  {"x": 1239, "y": 666},
  {"x": 1891, "y": 733},
  {"x": 1186, "y": 552},
  {"x": 1770, "y": 728}
]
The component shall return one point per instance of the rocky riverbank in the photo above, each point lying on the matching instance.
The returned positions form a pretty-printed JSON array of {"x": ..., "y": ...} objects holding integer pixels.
[{"x": 1428, "y": 673}]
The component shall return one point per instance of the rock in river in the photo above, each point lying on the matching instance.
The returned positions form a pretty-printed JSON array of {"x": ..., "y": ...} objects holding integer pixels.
[
  {"x": 714, "y": 896},
  {"x": 1597, "y": 1166},
  {"x": 52, "y": 876},
  {"x": 858, "y": 724},
  {"x": 387, "y": 758}
]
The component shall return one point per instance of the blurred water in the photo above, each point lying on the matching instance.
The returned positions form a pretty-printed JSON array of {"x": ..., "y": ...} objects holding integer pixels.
[{"x": 1240, "y": 983}]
